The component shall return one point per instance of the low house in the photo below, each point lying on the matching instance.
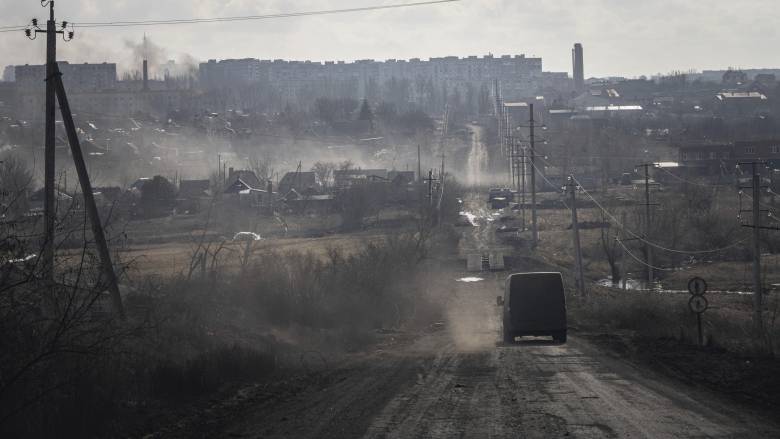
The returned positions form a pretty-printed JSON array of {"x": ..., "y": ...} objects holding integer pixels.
[
  {"x": 246, "y": 187},
  {"x": 399, "y": 178},
  {"x": 739, "y": 103},
  {"x": 312, "y": 203},
  {"x": 139, "y": 184},
  {"x": 402, "y": 187},
  {"x": 714, "y": 159},
  {"x": 350, "y": 177},
  {"x": 63, "y": 200},
  {"x": 248, "y": 177},
  {"x": 194, "y": 189},
  {"x": 193, "y": 193},
  {"x": 301, "y": 182}
]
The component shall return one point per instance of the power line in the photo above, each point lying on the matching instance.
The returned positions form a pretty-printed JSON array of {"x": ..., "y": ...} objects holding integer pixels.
[
  {"x": 684, "y": 180},
  {"x": 129, "y": 23},
  {"x": 549, "y": 182},
  {"x": 650, "y": 243},
  {"x": 175, "y": 21},
  {"x": 639, "y": 237},
  {"x": 633, "y": 256}
]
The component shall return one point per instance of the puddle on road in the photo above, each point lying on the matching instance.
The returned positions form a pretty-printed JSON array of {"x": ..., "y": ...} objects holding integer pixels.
[{"x": 470, "y": 279}]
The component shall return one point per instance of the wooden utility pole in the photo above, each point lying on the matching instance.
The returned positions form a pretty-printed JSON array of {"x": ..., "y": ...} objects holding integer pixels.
[
  {"x": 534, "y": 230},
  {"x": 571, "y": 187},
  {"x": 55, "y": 90}
]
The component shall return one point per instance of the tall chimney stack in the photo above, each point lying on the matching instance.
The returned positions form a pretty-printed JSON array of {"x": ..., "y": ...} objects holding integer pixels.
[
  {"x": 578, "y": 63},
  {"x": 146, "y": 75}
]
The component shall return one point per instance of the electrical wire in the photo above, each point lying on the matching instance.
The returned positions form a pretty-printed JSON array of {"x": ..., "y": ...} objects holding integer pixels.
[
  {"x": 633, "y": 256},
  {"x": 175, "y": 21},
  {"x": 541, "y": 174},
  {"x": 650, "y": 243},
  {"x": 87, "y": 24},
  {"x": 684, "y": 180},
  {"x": 760, "y": 204}
]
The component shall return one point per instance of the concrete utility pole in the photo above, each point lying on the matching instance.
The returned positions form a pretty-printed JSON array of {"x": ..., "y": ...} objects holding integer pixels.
[
  {"x": 430, "y": 181},
  {"x": 534, "y": 230},
  {"x": 571, "y": 187},
  {"x": 522, "y": 179},
  {"x": 758, "y": 291},
  {"x": 49, "y": 205},
  {"x": 89, "y": 197},
  {"x": 648, "y": 219},
  {"x": 624, "y": 277},
  {"x": 419, "y": 165},
  {"x": 55, "y": 90}
]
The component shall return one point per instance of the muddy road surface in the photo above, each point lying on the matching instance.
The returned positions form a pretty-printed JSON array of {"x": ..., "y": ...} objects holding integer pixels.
[{"x": 457, "y": 380}]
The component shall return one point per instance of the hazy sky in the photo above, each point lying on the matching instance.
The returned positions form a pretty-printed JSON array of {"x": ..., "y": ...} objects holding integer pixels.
[{"x": 621, "y": 37}]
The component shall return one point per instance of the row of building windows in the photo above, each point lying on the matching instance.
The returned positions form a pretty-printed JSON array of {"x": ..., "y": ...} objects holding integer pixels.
[{"x": 713, "y": 155}]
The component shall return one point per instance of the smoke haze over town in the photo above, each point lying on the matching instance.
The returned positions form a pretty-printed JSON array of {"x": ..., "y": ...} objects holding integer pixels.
[
  {"x": 389, "y": 219},
  {"x": 626, "y": 38}
]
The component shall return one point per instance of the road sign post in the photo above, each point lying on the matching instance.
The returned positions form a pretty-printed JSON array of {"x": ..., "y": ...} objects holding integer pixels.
[{"x": 698, "y": 303}]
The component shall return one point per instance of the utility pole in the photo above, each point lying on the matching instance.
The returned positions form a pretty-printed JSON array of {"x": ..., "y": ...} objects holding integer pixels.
[
  {"x": 534, "y": 230},
  {"x": 89, "y": 197},
  {"x": 56, "y": 90},
  {"x": 624, "y": 277},
  {"x": 430, "y": 181},
  {"x": 419, "y": 165},
  {"x": 49, "y": 207},
  {"x": 758, "y": 291},
  {"x": 648, "y": 204},
  {"x": 523, "y": 185},
  {"x": 571, "y": 187}
]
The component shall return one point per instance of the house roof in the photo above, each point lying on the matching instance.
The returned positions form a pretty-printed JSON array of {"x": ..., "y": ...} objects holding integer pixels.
[
  {"x": 239, "y": 186},
  {"x": 407, "y": 176},
  {"x": 730, "y": 95},
  {"x": 299, "y": 179},
  {"x": 138, "y": 184},
  {"x": 39, "y": 195},
  {"x": 249, "y": 178},
  {"x": 361, "y": 174},
  {"x": 194, "y": 188}
]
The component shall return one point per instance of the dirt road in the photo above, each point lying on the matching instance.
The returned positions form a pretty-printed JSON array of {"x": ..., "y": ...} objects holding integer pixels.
[{"x": 457, "y": 381}]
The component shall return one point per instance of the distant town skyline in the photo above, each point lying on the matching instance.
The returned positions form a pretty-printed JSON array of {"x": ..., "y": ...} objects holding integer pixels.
[{"x": 620, "y": 38}]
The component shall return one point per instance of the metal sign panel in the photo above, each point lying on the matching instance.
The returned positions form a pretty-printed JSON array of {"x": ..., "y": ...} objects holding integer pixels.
[
  {"x": 697, "y": 286},
  {"x": 698, "y": 304}
]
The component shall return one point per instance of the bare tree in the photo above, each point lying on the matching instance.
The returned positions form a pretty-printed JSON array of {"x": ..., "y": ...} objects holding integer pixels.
[
  {"x": 16, "y": 180},
  {"x": 324, "y": 172}
]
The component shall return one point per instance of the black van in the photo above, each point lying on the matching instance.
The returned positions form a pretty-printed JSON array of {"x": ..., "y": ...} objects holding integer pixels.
[{"x": 534, "y": 304}]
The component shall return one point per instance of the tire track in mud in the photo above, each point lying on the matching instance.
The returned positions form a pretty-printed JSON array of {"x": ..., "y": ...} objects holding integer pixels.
[{"x": 339, "y": 404}]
